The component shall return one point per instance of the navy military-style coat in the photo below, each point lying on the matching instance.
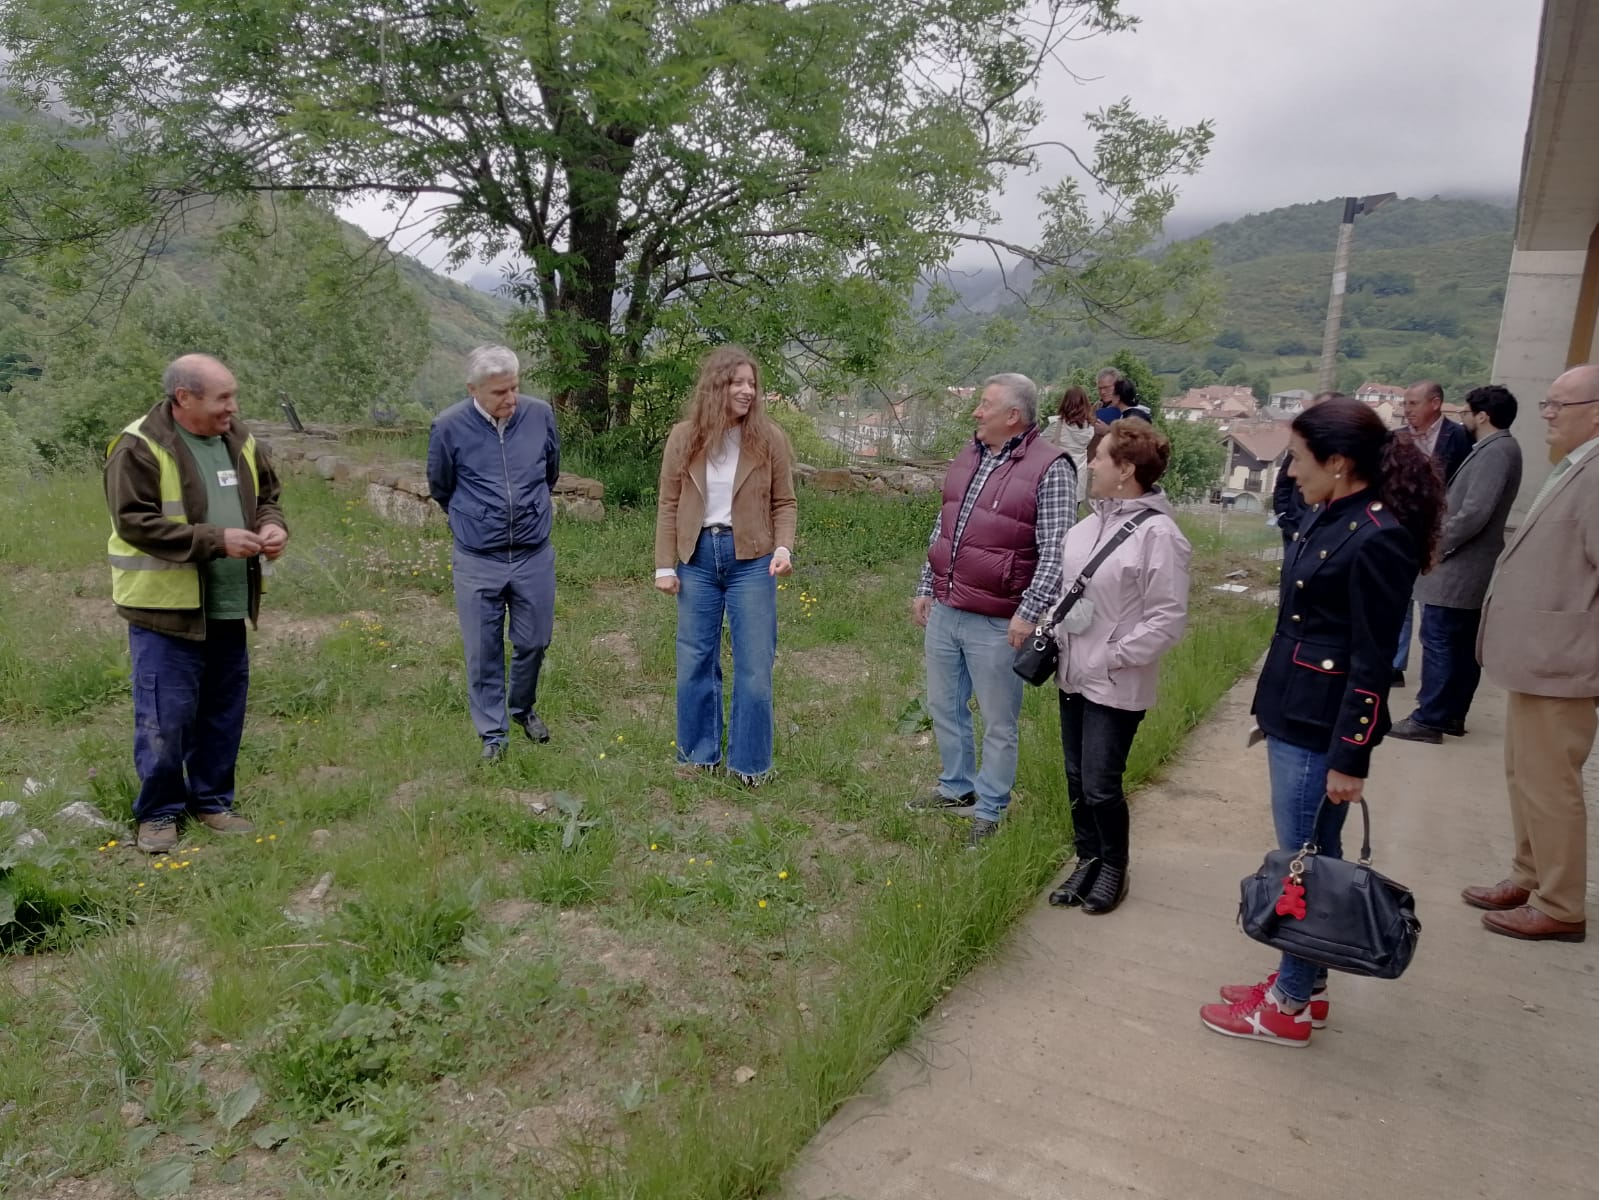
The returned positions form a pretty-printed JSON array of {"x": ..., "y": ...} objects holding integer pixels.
[{"x": 1347, "y": 579}]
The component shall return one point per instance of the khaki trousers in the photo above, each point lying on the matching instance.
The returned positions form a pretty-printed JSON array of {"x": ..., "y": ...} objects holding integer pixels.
[{"x": 1547, "y": 741}]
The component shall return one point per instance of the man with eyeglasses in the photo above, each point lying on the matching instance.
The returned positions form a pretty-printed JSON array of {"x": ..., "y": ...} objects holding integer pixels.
[{"x": 1540, "y": 641}]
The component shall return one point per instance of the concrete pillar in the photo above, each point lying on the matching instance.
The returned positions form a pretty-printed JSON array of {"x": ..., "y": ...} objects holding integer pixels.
[{"x": 1534, "y": 339}]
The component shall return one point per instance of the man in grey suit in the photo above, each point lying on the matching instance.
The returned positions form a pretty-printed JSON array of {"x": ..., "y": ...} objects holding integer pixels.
[
  {"x": 1540, "y": 642},
  {"x": 1451, "y": 594}
]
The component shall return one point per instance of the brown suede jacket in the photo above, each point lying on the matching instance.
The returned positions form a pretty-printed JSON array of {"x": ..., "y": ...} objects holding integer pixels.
[
  {"x": 764, "y": 509},
  {"x": 133, "y": 494}
]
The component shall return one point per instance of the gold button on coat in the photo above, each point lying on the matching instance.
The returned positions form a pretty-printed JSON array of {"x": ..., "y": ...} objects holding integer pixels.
[
  {"x": 1353, "y": 525},
  {"x": 1295, "y": 617},
  {"x": 1299, "y": 583},
  {"x": 1326, "y": 664}
]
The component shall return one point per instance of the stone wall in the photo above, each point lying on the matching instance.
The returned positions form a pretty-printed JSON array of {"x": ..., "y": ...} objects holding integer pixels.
[
  {"x": 398, "y": 491},
  {"x": 910, "y": 481}
]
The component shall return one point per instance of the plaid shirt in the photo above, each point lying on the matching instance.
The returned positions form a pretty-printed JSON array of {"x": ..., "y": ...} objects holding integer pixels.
[{"x": 1057, "y": 507}]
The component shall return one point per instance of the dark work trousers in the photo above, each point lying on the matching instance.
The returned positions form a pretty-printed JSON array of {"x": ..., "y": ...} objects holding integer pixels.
[
  {"x": 188, "y": 718},
  {"x": 1095, "y": 740},
  {"x": 1449, "y": 670},
  {"x": 493, "y": 592}
]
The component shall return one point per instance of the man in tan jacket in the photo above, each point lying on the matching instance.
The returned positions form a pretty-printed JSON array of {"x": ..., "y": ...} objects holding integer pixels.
[{"x": 1540, "y": 641}]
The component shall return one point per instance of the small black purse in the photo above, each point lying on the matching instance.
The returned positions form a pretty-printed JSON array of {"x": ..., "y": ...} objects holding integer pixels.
[
  {"x": 1038, "y": 656},
  {"x": 1342, "y": 915}
]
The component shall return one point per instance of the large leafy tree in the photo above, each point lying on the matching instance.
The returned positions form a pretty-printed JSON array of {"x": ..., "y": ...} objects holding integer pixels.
[{"x": 779, "y": 171}]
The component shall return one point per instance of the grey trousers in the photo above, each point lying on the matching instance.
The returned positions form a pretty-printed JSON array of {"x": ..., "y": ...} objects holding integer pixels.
[{"x": 489, "y": 590}]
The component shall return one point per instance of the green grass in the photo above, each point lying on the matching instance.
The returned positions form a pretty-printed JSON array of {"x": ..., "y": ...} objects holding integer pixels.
[{"x": 533, "y": 980}]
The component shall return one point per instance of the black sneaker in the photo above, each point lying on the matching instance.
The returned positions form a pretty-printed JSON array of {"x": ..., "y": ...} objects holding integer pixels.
[
  {"x": 1409, "y": 730},
  {"x": 936, "y": 802},
  {"x": 982, "y": 830},
  {"x": 534, "y": 727}
]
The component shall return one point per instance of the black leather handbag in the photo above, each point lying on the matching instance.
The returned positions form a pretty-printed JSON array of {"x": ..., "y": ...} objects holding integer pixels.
[
  {"x": 1341, "y": 914},
  {"x": 1038, "y": 656}
]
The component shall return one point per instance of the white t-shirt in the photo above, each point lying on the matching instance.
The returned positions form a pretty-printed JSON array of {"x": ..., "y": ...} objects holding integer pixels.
[{"x": 720, "y": 468}]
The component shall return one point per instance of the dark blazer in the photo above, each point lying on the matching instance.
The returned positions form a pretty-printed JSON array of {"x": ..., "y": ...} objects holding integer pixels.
[
  {"x": 1346, "y": 583},
  {"x": 1480, "y": 496},
  {"x": 1451, "y": 448}
]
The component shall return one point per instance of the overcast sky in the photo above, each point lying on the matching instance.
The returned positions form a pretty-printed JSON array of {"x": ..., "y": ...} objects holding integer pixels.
[{"x": 1310, "y": 100}]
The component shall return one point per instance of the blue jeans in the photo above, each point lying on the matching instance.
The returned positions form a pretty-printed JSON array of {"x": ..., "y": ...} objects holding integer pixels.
[
  {"x": 1449, "y": 669},
  {"x": 969, "y": 654},
  {"x": 488, "y": 590},
  {"x": 1402, "y": 654},
  {"x": 188, "y": 718},
  {"x": 1298, "y": 783},
  {"x": 711, "y": 584}
]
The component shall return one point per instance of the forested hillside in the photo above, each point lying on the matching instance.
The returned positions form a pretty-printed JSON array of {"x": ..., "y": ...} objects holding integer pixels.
[{"x": 1425, "y": 288}]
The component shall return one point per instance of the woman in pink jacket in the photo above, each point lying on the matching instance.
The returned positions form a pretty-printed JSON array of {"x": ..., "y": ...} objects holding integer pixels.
[{"x": 1133, "y": 610}]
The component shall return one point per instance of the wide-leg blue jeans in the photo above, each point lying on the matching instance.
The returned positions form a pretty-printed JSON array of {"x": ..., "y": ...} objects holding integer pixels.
[
  {"x": 1298, "y": 783},
  {"x": 188, "y": 718},
  {"x": 714, "y": 584}
]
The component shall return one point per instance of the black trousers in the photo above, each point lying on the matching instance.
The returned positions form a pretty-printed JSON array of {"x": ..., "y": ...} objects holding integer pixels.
[{"x": 1095, "y": 740}]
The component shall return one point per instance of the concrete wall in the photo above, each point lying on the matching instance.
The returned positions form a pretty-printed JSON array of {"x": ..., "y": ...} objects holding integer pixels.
[{"x": 1534, "y": 337}]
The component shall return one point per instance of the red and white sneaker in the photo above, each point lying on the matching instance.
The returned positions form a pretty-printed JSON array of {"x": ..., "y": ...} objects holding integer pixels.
[
  {"x": 1240, "y": 993},
  {"x": 1260, "y": 1020}
]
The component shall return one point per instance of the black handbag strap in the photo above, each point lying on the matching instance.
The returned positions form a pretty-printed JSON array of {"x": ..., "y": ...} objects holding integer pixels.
[
  {"x": 1311, "y": 847},
  {"x": 1075, "y": 592}
]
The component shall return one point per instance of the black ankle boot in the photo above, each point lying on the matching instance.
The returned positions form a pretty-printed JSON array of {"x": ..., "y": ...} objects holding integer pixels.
[
  {"x": 1070, "y": 893},
  {"x": 1108, "y": 891}
]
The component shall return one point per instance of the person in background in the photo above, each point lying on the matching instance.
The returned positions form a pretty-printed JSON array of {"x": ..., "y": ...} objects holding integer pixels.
[
  {"x": 1128, "y": 404},
  {"x": 1138, "y": 600},
  {"x": 1105, "y": 384},
  {"x": 1540, "y": 642},
  {"x": 1446, "y": 445},
  {"x": 1451, "y": 594},
  {"x": 1286, "y": 499},
  {"x": 993, "y": 562},
  {"x": 492, "y": 460},
  {"x": 194, "y": 508},
  {"x": 724, "y": 530},
  {"x": 1322, "y": 697},
  {"x": 1074, "y": 428}
]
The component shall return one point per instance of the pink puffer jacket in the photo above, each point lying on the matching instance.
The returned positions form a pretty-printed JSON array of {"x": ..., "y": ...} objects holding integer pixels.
[{"x": 1140, "y": 596}]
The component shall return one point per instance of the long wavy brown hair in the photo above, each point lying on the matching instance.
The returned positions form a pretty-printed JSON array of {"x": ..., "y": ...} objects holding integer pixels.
[
  {"x": 707, "y": 406},
  {"x": 1074, "y": 409}
]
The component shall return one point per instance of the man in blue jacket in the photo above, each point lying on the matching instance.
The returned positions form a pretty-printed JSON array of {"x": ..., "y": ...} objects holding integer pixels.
[{"x": 492, "y": 459}]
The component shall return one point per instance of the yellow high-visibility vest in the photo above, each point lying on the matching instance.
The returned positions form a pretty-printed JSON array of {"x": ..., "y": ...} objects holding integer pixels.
[{"x": 140, "y": 580}]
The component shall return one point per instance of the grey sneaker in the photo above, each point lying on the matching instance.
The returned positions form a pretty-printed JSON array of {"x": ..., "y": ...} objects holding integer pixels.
[
  {"x": 936, "y": 802},
  {"x": 493, "y": 752},
  {"x": 534, "y": 727},
  {"x": 982, "y": 830},
  {"x": 225, "y": 822},
  {"x": 157, "y": 836}
]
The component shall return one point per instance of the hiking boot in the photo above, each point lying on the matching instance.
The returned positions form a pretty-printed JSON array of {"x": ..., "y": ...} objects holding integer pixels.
[
  {"x": 1411, "y": 730},
  {"x": 982, "y": 830},
  {"x": 1070, "y": 893},
  {"x": 158, "y": 835},
  {"x": 1240, "y": 993},
  {"x": 534, "y": 727},
  {"x": 225, "y": 822},
  {"x": 936, "y": 802},
  {"x": 1107, "y": 892},
  {"x": 1261, "y": 1020}
]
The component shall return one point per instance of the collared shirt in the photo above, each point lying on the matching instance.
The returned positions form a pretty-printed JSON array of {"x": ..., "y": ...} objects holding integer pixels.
[
  {"x": 1560, "y": 468},
  {"x": 1427, "y": 441},
  {"x": 1057, "y": 507},
  {"x": 482, "y": 412}
]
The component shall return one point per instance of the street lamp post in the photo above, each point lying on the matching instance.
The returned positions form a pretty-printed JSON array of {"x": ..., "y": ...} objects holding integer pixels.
[{"x": 1335, "y": 302}]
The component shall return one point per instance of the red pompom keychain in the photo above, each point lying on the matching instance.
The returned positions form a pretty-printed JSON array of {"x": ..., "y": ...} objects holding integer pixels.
[{"x": 1292, "y": 902}]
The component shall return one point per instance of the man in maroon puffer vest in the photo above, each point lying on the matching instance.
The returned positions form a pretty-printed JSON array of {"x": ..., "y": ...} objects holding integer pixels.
[{"x": 993, "y": 567}]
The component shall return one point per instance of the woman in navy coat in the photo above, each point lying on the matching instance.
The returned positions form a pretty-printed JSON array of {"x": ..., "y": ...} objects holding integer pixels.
[{"x": 1376, "y": 506}]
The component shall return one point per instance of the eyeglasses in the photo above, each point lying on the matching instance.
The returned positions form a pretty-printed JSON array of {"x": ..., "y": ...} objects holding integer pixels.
[{"x": 1549, "y": 406}]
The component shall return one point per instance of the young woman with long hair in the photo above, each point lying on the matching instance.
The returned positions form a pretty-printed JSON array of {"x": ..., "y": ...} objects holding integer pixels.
[
  {"x": 724, "y": 531},
  {"x": 1075, "y": 428},
  {"x": 1376, "y": 508}
]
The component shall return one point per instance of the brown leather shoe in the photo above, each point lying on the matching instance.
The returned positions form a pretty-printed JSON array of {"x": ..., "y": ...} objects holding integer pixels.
[
  {"x": 1531, "y": 925},
  {"x": 225, "y": 822},
  {"x": 1501, "y": 896}
]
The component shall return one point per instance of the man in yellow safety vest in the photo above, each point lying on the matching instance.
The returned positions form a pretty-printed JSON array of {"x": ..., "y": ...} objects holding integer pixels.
[{"x": 194, "y": 509}]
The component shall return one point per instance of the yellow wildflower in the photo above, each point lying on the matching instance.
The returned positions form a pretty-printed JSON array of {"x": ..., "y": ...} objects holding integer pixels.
[
  {"x": 782, "y": 874},
  {"x": 762, "y": 903}
]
